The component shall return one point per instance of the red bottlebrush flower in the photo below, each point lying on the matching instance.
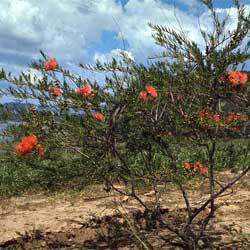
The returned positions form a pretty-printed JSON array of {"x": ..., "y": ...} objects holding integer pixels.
[
  {"x": 187, "y": 165},
  {"x": 143, "y": 95},
  {"x": 234, "y": 116},
  {"x": 85, "y": 90},
  {"x": 20, "y": 150},
  {"x": 79, "y": 90},
  {"x": 54, "y": 91},
  {"x": 237, "y": 77},
  {"x": 233, "y": 77},
  {"x": 196, "y": 166},
  {"x": 199, "y": 166},
  {"x": 229, "y": 119},
  {"x": 98, "y": 115},
  {"x": 243, "y": 78},
  {"x": 203, "y": 114},
  {"x": 26, "y": 145},
  {"x": 50, "y": 64},
  {"x": 40, "y": 149},
  {"x": 152, "y": 91},
  {"x": 203, "y": 170},
  {"x": 29, "y": 140},
  {"x": 216, "y": 117}
]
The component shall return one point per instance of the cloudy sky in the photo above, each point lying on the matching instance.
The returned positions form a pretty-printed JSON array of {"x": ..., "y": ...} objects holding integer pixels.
[{"x": 76, "y": 31}]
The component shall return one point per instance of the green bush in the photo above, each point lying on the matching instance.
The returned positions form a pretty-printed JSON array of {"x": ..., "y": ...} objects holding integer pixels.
[{"x": 188, "y": 108}]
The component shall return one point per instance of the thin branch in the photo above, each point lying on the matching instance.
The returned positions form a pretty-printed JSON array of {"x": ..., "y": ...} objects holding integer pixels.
[
  {"x": 216, "y": 195},
  {"x": 184, "y": 194}
]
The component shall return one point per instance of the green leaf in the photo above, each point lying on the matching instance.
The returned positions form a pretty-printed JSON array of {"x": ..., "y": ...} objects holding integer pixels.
[{"x": 2, "y": 74}]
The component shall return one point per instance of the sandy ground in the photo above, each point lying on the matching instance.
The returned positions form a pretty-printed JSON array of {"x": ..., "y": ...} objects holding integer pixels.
[
  {"x": 64, "y": 212},
  {"x": 50, "y": 214}
]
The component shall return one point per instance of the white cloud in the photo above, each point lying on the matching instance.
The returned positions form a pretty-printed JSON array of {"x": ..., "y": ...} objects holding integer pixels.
[
  {"x": 126, "y": 53},
  {"x": 134, "y": 24},
  {"x": 115, "y": 53},
  {"x": 63, "y": 28},
  {"x": 67, "y": 29}
]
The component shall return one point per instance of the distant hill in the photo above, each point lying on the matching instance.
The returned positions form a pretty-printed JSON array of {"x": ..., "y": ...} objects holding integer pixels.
[
  {"x": 17, "y": 105},
  {"x": 11, "y": 111}
]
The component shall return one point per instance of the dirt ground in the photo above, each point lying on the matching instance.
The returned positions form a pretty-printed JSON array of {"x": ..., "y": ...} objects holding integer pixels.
[{"x": 50, "y": 219}]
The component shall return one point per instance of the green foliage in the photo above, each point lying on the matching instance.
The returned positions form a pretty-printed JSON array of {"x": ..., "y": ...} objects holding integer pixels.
[
  {"x": 59, "y": 170},
  {"x": 136, "y": 133}
]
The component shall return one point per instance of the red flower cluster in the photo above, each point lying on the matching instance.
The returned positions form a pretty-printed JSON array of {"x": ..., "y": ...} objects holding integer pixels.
[
  {"x": 237, "y": 78},
  {"x": 233, "y": 116},
  {"x": 150, "y": 93},
  {"x": 203, "y": 114},
  {"x": 85, "y": 90},
  {"x": 187, "y": 165},
  {"x": 98, "y": 115},
  {"x": 50, "y": 64},
  {"x": 216, "y": 117},
  {"x": 197, "y": 166},
  {"x": 54, "y": 91},
  {"x": 209, "y": 116},
  {"x": 27, "y": 144}
]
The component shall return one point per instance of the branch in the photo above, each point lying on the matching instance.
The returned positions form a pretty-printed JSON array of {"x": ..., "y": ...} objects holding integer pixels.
[{"x": 216, "y": 195}]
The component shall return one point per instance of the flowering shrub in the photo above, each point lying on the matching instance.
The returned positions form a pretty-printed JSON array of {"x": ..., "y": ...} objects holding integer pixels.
[{"x": 153, "y": 119}]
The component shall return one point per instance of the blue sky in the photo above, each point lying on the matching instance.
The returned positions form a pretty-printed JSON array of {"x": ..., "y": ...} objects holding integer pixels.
[{"x": 75, "y": 31}]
